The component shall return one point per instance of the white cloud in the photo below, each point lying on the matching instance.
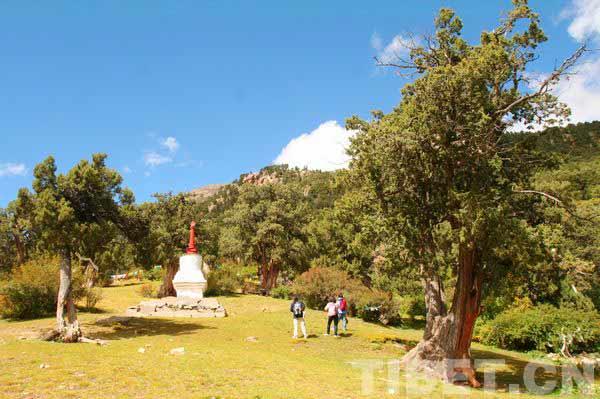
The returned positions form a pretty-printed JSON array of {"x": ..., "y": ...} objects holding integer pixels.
[
  {"x": 12, "y": 169},
  {"x": 397, "y": 48},
  {"x": 127, "y": 169},
  {"x": 586, "y": 19},
  {"x": 324, "y": 148},
  {"x": 154, "y": 159},
  {"x": 581, "y": 91},
  {"x": 170, "y": 143},
  {"x": 376, "y": 41}
]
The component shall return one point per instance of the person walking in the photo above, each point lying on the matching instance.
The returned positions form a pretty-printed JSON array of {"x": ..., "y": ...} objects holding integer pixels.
[
  {"x": 298, "y": 308},
  {"x": 332, "y": 316},
  {"x": 343, "y": 311}
]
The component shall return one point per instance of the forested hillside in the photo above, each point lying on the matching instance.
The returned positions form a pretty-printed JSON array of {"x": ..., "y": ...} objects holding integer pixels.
[{"x": 286, "y": 220}]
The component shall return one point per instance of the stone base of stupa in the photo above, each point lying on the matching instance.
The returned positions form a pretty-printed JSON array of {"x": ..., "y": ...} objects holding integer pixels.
[{"x": 178, "y": 307}]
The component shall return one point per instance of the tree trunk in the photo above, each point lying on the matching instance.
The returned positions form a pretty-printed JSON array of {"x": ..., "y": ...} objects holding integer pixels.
[
  {"x": 264, "y": 276},
  {"x": 21, "y": 255},
  {"x": 445, "y": 350},
  {"x": 68, "y": 329},
  {"x": 167, "y": 288},
  {"x": 269, "y": 272},
  {"x": 273, "y": 275}
]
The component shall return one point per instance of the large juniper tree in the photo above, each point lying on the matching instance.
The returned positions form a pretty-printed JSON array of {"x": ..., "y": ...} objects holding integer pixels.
[
  {"x": 446, "y": 178},
  {"x": 266, "y": 226},
  {"x": 68, "y": 209}
]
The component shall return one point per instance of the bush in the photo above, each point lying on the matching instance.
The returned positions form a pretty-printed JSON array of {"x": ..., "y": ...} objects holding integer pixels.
[
  {"x": 412, "y": 306},
  {"x": 282, "y": 292},
  {"x": 541, "y": 328},
  {"x": 155, "y": 274},
  {"x": 92, "y": 296},
  {"x": 32, "y": 290},
  {"x": 320, "y": 283},
  {"x": 375, "y": 306},
  {"x": 224, "y": 280},
  {"x": 148, "y": 291}
]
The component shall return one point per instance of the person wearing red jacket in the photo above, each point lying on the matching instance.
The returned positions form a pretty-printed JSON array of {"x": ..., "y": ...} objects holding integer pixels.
[{"x": 343, "y": 311}]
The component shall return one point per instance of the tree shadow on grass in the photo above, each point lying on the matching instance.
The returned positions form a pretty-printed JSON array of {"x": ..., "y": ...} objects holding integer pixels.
[
  {"x": 94, "y": 310},
  {"x": 116, "y": 327},
  {"x": 511, "y": 371},
  {"x": 127, "y": 284}
]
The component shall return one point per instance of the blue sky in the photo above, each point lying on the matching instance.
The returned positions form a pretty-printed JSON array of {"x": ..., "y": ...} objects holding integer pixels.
[{"x": 185, "y": 93}]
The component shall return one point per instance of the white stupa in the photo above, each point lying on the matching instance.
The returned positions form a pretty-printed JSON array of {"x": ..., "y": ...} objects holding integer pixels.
[{"x": 189, "y": 282}]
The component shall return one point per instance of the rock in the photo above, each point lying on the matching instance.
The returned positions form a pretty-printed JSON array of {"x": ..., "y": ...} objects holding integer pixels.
[
  {"x": 553, "y": 356},
  {"x": 179, "y": 307},
  {"x": 177, "y": 351},
  {"x": 588, "y": 362},
  {"x": 147, "y": 307},
  {"x": 169, "y": 300},
  {"x": 402, "y": 347},
  {"x": 205, "y": 191},
  {"x": 251, "y": 339},
  {"x": 141, "y": 350}
]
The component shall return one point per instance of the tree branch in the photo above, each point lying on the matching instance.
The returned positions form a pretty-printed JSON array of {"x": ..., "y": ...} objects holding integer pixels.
[
  {"x": 558, "y": 202},
  {"x": 546, "y": 85},
  {"x": 88, "y": 262}
]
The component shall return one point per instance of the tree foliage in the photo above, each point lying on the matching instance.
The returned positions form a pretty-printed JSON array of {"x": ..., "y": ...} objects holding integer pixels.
[
  {"x": 446, "y": 177},
  {"x": 266, "y": 226}
]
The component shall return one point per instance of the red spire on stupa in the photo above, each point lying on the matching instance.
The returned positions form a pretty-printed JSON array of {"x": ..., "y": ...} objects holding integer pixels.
[{"x": 191, "y": 249}]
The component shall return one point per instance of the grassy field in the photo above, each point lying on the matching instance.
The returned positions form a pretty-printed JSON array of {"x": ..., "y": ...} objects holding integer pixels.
[{"x": 219, "y": 360}]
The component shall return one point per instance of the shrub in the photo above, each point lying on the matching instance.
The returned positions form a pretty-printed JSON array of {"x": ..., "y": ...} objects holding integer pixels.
[
  {"x": 154, "y": 274},
  {"x": 224, "y": 280},
  {"x": 541, "y": 328},
  {"x": 92, "y": 296},
  {"x": 412, "y": 306},
  {"x": 32, "y": 290},
  {"x": 374, "y": 306},
  {"x": 148, "y": 291},
  {"x": 320, "y": 283},
  {"x": 282, "y": 292}
]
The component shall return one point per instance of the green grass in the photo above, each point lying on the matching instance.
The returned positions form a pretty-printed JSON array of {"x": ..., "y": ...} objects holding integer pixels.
[{"x": 218, "y": 361}]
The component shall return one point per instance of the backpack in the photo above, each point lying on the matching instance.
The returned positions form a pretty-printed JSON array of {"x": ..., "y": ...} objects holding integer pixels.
[
  {"x": 298, "y": 309},
  {"x": 342, "y": 304}
]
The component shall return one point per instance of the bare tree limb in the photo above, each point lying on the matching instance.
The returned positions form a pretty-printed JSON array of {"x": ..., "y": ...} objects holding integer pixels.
[
  {"x": 547, "y": 83},
  {"x": 558, "y": 202},
  {"x": 88, "y": 262},
  {"x": 405, "y": 65}
]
